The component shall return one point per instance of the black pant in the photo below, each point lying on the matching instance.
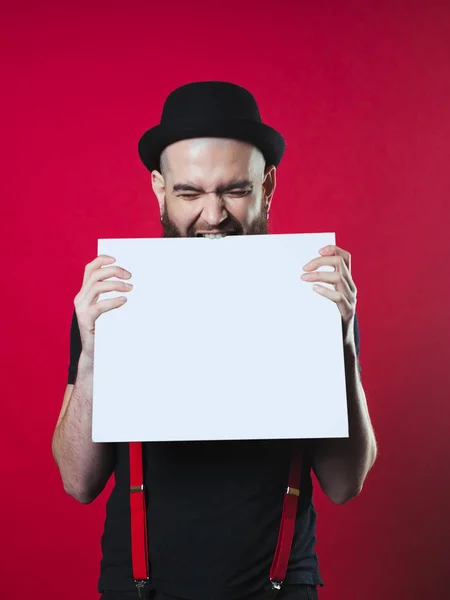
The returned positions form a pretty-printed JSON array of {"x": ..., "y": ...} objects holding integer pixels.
[{"x": 288, "y": 592}]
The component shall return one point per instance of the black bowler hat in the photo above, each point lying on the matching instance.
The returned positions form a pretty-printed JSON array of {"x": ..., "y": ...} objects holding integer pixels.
[{"x": 210, "y": 109}]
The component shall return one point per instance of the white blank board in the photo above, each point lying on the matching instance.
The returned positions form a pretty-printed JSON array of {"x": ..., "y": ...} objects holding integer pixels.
[{"x": 220, "y": 339}]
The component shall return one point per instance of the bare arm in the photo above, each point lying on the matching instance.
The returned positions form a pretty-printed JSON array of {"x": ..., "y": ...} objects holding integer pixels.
[
  {"x": 85, "y": 466},
  {"x": 341, "y": 465}
]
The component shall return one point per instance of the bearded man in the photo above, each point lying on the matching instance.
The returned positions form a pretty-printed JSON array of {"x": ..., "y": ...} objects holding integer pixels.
[{"x": 212, "y": 509}]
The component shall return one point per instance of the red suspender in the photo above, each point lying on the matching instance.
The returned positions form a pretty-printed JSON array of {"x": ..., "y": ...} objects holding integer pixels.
[
  {"x": 139, "y": 536},
  {"x": 287, "y": 525},
  {"x": 139, "y": 541}
]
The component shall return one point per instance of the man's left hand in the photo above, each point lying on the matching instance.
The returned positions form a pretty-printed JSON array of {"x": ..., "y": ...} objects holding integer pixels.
[{"x": 344, "y": 292}]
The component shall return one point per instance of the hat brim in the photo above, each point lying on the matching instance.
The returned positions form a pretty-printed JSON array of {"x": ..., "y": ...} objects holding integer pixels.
[{"x": 265, "y": 138}]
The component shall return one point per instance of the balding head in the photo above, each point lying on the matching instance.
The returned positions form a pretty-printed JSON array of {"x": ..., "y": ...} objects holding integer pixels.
[{"x": 258, "y": 162}]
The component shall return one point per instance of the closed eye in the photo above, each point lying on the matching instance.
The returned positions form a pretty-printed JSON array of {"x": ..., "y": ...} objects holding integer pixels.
[{"x": 238, "y": 193}]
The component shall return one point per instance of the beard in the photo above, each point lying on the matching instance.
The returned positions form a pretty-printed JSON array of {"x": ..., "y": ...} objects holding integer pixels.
[{"x": 259, "y": 227}]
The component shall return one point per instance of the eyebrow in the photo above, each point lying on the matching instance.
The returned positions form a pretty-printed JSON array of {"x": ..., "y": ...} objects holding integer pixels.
[{"x": 234, "y": 184}]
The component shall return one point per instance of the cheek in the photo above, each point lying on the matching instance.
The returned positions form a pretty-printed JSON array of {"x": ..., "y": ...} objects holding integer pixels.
[
  {"x": 252, "y": 210},
  {"x": 182, "y": 214},
  {"x": 246, "y": 211}
]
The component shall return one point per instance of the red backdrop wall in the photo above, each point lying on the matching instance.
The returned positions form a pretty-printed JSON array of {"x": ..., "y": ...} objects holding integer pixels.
[{"x": 361, "y": 92}]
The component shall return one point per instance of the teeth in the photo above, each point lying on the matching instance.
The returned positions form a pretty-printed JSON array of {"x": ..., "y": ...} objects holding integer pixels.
[{"x": 214, "y": 236}]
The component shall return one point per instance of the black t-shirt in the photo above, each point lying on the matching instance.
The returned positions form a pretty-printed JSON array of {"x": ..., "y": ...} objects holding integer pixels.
[{"x": 214, "y": 511}]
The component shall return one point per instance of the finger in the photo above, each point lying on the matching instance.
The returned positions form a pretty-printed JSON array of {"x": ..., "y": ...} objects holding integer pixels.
[
  {"x": 99, "y": 261},
  {"x": 100, "y": 275},
  {"x": 107, "y": 272},
  {"x": 335, "y": 250},
  {"x": 335, "y": 278},
  {"x": 106, "y": 305},
  {"x": 344, "y": 306},
  {"x": 335, "y": 261},
  {"x": 102, "y": 287},
  {"x": 326, "y": 261}
]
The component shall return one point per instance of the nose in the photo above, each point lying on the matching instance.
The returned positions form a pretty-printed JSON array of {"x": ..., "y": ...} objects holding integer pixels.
[{"x": 213, "y": 210}]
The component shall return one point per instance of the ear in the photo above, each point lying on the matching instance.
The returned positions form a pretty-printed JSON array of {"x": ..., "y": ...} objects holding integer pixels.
[
  {"x": 159, "y": 188},
  {"x": 269, "y": 184}
]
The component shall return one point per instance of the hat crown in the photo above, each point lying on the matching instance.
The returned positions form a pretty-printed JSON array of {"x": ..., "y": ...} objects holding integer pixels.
[
  {"x": 210, "y": 99},
  {"x": 205, "y": 109}
]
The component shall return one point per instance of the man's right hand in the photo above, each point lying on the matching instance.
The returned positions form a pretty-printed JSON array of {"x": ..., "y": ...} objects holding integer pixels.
[{"x": 86, "y": 306}]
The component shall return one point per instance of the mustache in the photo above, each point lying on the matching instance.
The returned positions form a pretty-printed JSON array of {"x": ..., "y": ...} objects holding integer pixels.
[{"x": 229, "y": 225}]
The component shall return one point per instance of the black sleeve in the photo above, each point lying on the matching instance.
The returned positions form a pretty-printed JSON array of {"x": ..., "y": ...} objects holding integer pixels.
[
  {"x": 357, "y": 341},
  {"x": 75, "y": 349}
]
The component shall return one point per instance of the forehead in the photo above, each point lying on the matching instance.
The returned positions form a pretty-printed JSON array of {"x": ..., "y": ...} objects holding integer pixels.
[{"x": 212, "y": 159}]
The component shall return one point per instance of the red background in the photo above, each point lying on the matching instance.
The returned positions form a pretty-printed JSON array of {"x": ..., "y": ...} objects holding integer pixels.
[{"x": 361, "y": 92}]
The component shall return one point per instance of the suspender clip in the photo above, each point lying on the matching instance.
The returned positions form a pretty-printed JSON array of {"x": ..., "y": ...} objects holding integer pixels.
[
  {"x": 275, "y": 587},
  {"x": 140, "y": 584}
]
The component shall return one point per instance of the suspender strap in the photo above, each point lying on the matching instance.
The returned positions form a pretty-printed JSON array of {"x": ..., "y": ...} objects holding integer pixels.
[
  {"x": 287, "y": 525},
  {"x": 139, "y": 539},
  {"x": 139, "y": 534}
]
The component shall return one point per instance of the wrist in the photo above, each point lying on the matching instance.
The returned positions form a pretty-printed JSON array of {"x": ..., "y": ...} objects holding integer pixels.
[{"x": 86, "y": 361}]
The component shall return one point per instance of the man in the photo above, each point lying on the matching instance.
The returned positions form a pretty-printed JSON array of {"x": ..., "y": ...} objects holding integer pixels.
[{"x": 213, "y": 508}]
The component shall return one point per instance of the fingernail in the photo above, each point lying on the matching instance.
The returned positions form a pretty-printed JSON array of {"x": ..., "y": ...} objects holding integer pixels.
[{"x": 128, "y": 286}]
